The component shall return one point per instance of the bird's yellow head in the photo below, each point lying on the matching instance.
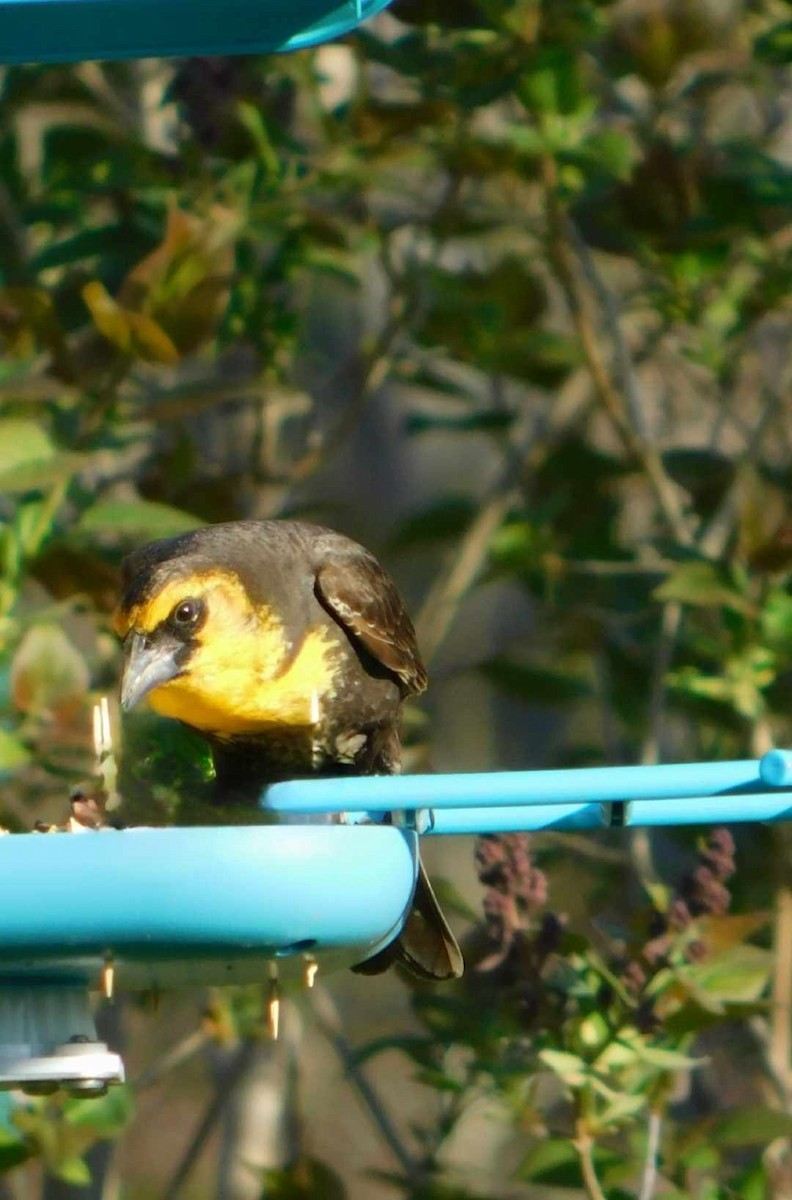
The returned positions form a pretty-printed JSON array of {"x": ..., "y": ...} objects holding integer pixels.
[{"x": 200, "y": 650}]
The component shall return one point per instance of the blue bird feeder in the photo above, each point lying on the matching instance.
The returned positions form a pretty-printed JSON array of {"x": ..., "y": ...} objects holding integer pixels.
[
  {"x": 153, "y": 908},
  {"x": 167, "y": 907},
  {"x": 156, "y": 908},
  {"x": 69, "y": 30}
]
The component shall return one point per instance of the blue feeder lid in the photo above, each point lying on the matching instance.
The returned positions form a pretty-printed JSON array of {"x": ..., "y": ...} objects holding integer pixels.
[
  {"x": 70, "y": 30},
  {"x": 173, "y": 907}
]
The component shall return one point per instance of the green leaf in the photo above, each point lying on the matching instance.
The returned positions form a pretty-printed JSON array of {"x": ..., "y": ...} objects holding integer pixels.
[
  {"x": 253, "y": 119},
  {"x": 13, "y": 1148},
  {"x": 750, "y": 1184},
  {"x": 519, "y": 137},
  {"x": 73, "y": 1170},
  {"x": 553, "y": 85},
  {"x": 519, "y": 545},
  {"x": 105, "y": 1116},
  {"x": 23, "y": 443},
  {"x": 138, "y": 520},
  {"x": 724, "y": 931},
  {"x": 609, "y": 151},
  {"x": 490, "y": 317},
  {"x": 488, "y": 421},
  {"x": 621, "y": 1109},
  {"x": 568, "y": 1067},
  {"x": 663, "y": 1057},
  {"x": 305, "y": 1180},
  {"x": 555, "y": 1161},
  {"x": 752, "y": 1127},
  {"x": 118, "y": 243},
  {"x": 13, "y": 754},
  {"x": 775, "y": 46},
  {"x": 534, "y": 685},
  {"x": 13, "y": 1153},
  {"x": 544, "y": 1160},
  {"x": 739, "y": 974},
  {"x": 693, "y": 1016},
  {"x": 49, "y": 675},
  {"x": 40, "y": 476},
  {"x": 443, "y": 519},
  {"x": 776, "y": 616},
  {"x": 705, "y": 585},
  {"x": 741, "y": 686}
]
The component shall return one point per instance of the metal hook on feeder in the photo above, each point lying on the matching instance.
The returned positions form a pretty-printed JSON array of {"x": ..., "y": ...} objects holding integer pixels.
[
  {"x": 106, "y": 768},
  {"x": 273, "y": 1003},
  {"x": 107, "y": 978},
  {"x": 310, "y": 971}
]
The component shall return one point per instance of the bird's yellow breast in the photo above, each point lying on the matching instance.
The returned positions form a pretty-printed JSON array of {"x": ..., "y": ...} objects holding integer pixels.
[{"x": 229, "y": 687}]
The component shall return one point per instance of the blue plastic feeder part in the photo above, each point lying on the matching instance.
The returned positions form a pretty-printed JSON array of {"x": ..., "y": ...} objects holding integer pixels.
[
  {"x": 199, "y": 906},
  {"x": 223, "y": 904},
  {"x": 167, "y": 907},
  {"x": 588, "y": 798},
  {"x": 70, "y": 30}
]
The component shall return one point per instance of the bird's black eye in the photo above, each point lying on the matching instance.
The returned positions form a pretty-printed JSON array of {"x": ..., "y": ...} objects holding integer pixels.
[{"x": 187, "y": 613}]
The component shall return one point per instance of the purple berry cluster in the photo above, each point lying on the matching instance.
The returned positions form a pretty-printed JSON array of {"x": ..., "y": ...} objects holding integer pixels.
[
  {"x": 519, "y": 941},
  {"x": 701, "y": 892}
]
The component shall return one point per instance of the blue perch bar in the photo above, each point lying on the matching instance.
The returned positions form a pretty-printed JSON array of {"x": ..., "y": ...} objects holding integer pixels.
[{"x": 590, "y": 798}]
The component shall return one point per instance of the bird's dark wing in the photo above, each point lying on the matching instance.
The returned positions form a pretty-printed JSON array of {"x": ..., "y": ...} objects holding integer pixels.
[
  {"x": 426, "y": 947},
  {"x": 363, "y": 599}
]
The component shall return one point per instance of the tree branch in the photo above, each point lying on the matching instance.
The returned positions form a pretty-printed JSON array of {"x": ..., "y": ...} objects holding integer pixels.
[
  {"x": 223, "y": 1092},
  {"x": 584, "y": 1144},
  {"x": 608, "y": 392},
  {"x": 450, "y": 587},
  {"x": 329, "y": 1023},
  {"x": 649, "y": 1176},
  {"x": 779, "y": 1051},
  {"x": 178, "y": 1054}
]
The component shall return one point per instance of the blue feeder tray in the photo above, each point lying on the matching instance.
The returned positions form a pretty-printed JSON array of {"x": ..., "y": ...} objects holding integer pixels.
[
  {"x": 218, "y": 905},
  {"x": 70, "y": 30},
  {"x": 168, "y": 907},
  {"x": 173, "y": 907}
]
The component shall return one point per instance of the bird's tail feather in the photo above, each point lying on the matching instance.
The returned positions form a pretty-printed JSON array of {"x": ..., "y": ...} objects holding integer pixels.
[{"x": 426, "y": 947}]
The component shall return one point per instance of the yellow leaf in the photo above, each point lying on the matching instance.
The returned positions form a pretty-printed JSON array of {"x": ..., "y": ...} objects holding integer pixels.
[
  {"x": 150, "y": 341},
  {"x": 108, "y": 317},
  {"x": 723, "y": 932},
  {"x": 48, "y": 674}
]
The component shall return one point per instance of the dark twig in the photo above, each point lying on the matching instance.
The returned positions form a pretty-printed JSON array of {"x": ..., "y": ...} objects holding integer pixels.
[
  {"x": 623, "y": 367},
  {"x": 229, "y": 1080},
  {"x": 329, "y": 1024},
  {"x": 715, "y": 538},
  {"x": 175, "y": 1057},
  {"x": 608, "y": 391}
]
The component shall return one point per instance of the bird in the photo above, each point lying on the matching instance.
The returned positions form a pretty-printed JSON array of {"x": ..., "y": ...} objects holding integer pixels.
[{"x": 287, "y": 646}]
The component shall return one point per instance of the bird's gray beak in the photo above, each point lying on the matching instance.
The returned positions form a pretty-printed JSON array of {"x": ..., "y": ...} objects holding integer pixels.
[{"x": 148, "y": 664}]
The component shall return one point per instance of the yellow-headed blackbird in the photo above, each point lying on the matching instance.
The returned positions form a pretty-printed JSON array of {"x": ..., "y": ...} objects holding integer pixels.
[{"x": 289, "y": 648}]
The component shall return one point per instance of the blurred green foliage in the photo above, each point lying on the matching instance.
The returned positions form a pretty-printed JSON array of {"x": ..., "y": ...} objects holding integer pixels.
[{"x": 557, "y": 236}]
